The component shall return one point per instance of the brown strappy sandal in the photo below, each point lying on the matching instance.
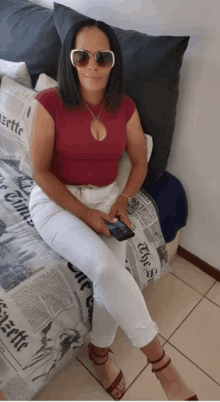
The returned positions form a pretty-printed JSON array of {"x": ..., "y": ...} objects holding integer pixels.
[
  {"x": 192, "y": 398},
  {"x": 110, "y": 389}
]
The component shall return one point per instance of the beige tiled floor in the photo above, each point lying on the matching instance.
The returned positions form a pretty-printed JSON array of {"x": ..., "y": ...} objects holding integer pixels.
[{"x": 186, "y": 307}]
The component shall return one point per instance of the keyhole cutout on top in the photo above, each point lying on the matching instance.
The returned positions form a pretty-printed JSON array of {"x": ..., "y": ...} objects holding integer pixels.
[{"x": 98, "y": 130}]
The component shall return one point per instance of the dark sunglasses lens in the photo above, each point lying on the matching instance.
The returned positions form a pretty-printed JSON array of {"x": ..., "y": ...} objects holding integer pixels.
[
  {"x": 81, "y": 59},
  {"x": 104, "y": 59}
]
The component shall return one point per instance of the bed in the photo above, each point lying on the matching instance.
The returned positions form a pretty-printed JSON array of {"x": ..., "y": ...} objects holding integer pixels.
[{"x": 46, "y": 302}]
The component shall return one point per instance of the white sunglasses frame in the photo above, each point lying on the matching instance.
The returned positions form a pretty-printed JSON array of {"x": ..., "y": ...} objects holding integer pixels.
[{"x": 107, "y": 50}]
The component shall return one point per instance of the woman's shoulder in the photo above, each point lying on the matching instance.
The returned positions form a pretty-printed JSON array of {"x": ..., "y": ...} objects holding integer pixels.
[
  {"x": 49, "y": 98},
  {"x": 126, "y": 96},
  {"x": 128, "y": 106},
  {"x": 48, "y": 93},
  {"x": 128, "y": 102}
]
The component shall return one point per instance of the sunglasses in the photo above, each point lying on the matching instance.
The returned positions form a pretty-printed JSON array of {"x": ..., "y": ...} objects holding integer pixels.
[{"x": 80, "y": 58}]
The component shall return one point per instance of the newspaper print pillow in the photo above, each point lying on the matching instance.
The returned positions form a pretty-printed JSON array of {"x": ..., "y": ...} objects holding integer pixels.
[
  {"x": 18, "y": 71},
  {"x": 45, "y": 82},
  {"x": 16, "y": 113}
]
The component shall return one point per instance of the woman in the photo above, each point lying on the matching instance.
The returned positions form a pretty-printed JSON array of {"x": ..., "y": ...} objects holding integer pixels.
[{"x": 76, "y": 192}]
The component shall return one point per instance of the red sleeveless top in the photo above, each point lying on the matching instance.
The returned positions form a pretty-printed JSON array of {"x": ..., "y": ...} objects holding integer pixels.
[{"x": 78, "y": 158}]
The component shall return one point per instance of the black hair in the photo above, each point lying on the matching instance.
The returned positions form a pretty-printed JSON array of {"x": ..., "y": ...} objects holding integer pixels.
[{"x": 67, "y": 77}]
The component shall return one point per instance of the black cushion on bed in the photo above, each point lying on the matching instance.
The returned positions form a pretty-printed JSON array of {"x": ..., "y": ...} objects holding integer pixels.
[
  {"x": 151, "y": 67},
  {"x": 170, "y": 197},
  {"x": 28, "y": 33}
]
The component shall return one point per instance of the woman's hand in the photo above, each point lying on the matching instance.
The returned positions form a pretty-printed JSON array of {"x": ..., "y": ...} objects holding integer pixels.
[
  {"x": 95, "y": 219},
  {"x": 118, "y": 209}
]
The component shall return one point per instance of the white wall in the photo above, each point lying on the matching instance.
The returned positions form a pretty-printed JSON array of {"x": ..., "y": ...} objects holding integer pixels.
[{"x": 194, "y": 157}]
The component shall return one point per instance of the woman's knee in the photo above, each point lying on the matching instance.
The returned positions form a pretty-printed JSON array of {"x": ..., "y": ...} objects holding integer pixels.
[{"x": 106, "y": 273}]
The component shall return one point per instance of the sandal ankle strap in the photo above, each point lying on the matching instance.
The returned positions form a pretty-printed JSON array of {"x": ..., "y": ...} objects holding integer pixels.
[
  {"x": 161, "y": 368},
  {"x": 157, "y": 361},
  {"x": 91, "y": 358}
]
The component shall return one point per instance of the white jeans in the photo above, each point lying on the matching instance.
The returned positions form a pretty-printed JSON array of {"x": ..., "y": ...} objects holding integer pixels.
[{"x": 117, "y": 297}]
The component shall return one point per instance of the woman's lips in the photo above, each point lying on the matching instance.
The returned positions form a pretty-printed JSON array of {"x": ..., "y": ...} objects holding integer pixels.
[{"x": 94, "y": 78}]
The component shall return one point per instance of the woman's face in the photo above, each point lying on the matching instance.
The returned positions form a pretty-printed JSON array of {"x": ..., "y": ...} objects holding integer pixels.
[{"x": 92, "y": 40}]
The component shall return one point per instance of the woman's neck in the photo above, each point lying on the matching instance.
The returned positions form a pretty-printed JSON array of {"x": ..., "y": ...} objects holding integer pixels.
[{"x": 92, "y": 98}]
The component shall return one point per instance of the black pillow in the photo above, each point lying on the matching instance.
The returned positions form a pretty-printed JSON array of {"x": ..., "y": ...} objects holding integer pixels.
[
  {"x": 151, "y": 66},
  {"x": 28, "y": 33}
]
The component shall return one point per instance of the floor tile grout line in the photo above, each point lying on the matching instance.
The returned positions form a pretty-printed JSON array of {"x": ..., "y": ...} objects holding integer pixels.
[
  {"x": 185, "y": 318},
  {"x": 135, "y": 379},
  {"x": 178, "y": 350},
  {"x": 191, "y": 285},
  {"x": 210, "y": 288},
  {"x": 93, "y": 376},
  {"x": 204, "y": 296},
  {"x": 185, "y": 283}
]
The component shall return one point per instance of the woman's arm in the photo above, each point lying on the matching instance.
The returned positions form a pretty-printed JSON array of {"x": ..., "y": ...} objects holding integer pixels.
[
  {"x": 135, "y": 180},
  {"x": 137, "y": 152}
]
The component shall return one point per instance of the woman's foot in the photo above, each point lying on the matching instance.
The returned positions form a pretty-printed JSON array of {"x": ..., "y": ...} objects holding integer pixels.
[
  {"x": 107, "y": 372},
  {"x": 171, "y": 381}
]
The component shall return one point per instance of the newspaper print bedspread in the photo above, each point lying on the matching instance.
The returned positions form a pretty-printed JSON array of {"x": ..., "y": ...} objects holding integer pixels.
[{"x": 46, "y": 303}]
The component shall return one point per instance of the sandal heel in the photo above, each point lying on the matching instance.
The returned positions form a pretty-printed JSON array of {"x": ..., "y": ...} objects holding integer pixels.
[{"x": 192, "y": 398}]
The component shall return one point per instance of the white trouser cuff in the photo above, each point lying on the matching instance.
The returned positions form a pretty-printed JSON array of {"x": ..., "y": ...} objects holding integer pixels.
[{"x": 146, "y": 337}]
